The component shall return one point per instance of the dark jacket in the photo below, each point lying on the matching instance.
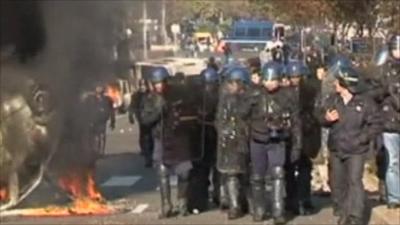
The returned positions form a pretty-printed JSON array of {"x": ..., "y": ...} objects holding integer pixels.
[
  {"x": 386, "y": 92},
  {"x": 137, "y": 105},
  {"x": 310, "y": 129},
  {"x": 359, "y": 123},
  {"x": 101, "y": 111},
  {"x": 175, "y": 122},
  {"x": 207, "y": 112},
  {"x": 271, "y": 112},
  {"x": 391, "y": 106}
]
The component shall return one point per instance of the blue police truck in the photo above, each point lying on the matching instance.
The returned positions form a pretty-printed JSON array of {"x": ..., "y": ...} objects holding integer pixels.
[{"x": 253, "y": 35}]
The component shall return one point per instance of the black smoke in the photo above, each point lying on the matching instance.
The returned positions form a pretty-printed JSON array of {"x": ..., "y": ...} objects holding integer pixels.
[{"x": 67, "y": 46}]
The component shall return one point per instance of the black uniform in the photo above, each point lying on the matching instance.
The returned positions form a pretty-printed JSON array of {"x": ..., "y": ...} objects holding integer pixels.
[
  {"x": 102, "y": 111},
  {"x": 391, "y": 101},
  {"x": 199, "y": 176},
  {"x": 146, "y": 141},
  {"x": 348, "y": 143},
  {"x": 272, "y": 120},
  {"x": 299, "y": 186},
  {"x": 174, "y": 139}
]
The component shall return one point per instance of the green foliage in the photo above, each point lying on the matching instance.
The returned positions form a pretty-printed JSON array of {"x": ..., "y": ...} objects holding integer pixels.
[
  {"x": 208, "y": 27},
  {"x": 364, "y": 13}
]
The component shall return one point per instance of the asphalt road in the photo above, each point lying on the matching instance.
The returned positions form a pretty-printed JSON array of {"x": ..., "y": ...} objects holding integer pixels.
[{"x": 130, "y": 187}]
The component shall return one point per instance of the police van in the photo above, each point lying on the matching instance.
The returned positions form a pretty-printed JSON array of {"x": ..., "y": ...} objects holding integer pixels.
[{"x": 253, "y": 35}]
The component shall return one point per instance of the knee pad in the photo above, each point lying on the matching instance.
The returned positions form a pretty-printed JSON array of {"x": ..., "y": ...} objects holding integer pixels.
[
  {"x": 232, "y": 179},
  {"x": 256, "y": 179},
  {"x": 163, "y": 170},
  {"x": 183, "y": 174},
  {"x": 278, "y": 173}
]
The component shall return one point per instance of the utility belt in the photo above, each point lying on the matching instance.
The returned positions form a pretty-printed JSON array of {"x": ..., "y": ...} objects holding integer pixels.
[{"x": 275, "y": 134}]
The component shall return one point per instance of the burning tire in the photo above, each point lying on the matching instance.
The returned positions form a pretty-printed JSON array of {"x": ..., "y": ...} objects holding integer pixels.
[{"x": 25, "y": 148}]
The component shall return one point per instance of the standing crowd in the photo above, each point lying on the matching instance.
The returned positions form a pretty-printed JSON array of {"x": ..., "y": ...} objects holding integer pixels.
[{"x": 251, "y": 132}]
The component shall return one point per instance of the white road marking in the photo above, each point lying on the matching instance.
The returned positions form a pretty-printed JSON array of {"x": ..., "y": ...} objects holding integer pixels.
[
  {"x": 121, "y": 181},
  {"x": 121, "y": 116},
  {"x": 173, "y": 182},
  {"x": 140, "y": 208}
]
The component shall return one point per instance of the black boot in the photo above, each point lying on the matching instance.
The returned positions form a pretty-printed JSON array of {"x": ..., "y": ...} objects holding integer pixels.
[
  {"x": 382, "y": 191},
  {"x": 183, "y": 185},
  {"x": 223, "y": 193},
  {"x": 278, "y": 206},
  {"x": 352, "y": 220},
  {"x": 165, "y": 190},
  {"x": 258, "y": 195},
  {"x": 336, "y": 210},
  {"x": 305, "y": 208},
  {"x": 268, "y": 195},
  {"x": 216, "y": 182},
  {"x": 233, "y": 189}
]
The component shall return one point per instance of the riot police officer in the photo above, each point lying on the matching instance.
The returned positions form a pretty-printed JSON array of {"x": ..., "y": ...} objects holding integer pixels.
[
  {"x": 203, "y": 168},
  {"x": 354, "y": 120},
  {"x": 146, "y": 141},
  {"x": 299, "y": 171},
  {"x": 103, "y": 112},
  {"x": 232, "y": 129},
  {"x": 172, "y": 142},
  {"x": 271, "y": 123}
]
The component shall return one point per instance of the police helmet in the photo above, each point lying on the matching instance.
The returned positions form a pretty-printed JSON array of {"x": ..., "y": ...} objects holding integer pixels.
[
  {"x": 338, "y": 62},
  {"x": 271, "y": 71},
  {"x": 209, "y": 75},
  {"x": 159, "y": 74},
  {"x": 296, "y": 69},
  {"x": 394, "y": 42},
  {"x": 224, "y": 71},
  {"x": 238, "y": 74},
  {"x": 349, "y": 78}
]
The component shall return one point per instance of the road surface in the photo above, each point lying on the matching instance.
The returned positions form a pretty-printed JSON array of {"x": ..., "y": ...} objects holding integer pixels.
[{"x": 127, "y": 185}]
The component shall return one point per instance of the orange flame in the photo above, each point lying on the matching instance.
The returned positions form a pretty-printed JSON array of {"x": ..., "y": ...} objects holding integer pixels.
[
  {"x": 92, "y": 190},
  {"x": 115, "y": 95},
  {"x": 87, "y": 199},
  {"x": 3, "y": 194}
]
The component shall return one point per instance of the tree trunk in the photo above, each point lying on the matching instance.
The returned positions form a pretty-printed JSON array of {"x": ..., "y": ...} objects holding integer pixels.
[
  {"x": 144, "y": 30},
  {"x": 163, "y": 23}
]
